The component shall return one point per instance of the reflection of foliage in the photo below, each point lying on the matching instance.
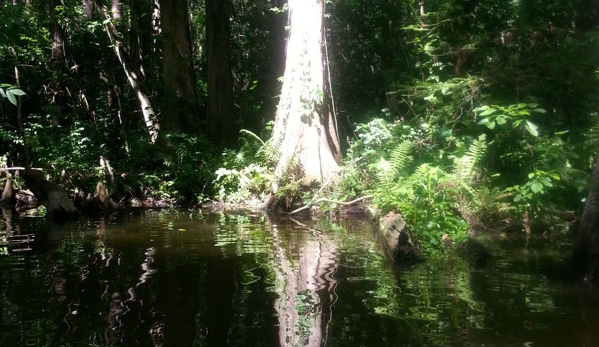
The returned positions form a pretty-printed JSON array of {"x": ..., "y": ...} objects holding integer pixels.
[{"x": 438, "y": 303}]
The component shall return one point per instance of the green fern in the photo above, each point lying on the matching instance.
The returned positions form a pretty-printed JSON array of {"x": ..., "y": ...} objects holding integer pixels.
[
  {"x": 401, "y": 158},
  {"x": 467, "y": 163},
  {"x": 269, "y": 153}
]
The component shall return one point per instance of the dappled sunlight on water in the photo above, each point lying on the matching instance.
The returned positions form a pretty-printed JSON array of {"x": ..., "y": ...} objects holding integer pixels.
[{"x": 163, "y": 278}]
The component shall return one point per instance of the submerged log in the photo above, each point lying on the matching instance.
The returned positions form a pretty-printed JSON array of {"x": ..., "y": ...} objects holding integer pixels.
[
  {"x": 397, "y": 239},
  {"x": 52, "y": 195}
]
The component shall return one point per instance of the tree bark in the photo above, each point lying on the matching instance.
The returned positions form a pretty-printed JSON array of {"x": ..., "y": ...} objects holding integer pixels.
[
  {"x": 304, "y": 129},
  {"x": 57, "y": 36},
  {"x": 278, "y": 36},
  {"x": 222, "y": 127},
  {"x": 50, "y": 194},
  {"x": 149, "y": 116},
  {"x": 180, "y": 111},
  {"x": 8, "y": 194},
  {"x": 586, "y": 251},
  {"x": 87, "y": 8},
  {"x": 115, "y": 9}
]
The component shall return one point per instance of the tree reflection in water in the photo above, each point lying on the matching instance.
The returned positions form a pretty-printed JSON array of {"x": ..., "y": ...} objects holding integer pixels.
[{"x": 305, "y": 283}]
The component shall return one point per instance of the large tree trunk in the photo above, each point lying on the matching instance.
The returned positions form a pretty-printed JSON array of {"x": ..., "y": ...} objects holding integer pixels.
[
  {"x": 586, "y": 252},
  {"x": 180, "y": 102},
  {"x": 149, "y": 116},
  {"x": 220, "y": 80},
  {"x": 57, "y": 36},
  {"x": 278, "y": 36},
  {"x": 50, "y": 194},
  {"x": 304, "y": 128}
]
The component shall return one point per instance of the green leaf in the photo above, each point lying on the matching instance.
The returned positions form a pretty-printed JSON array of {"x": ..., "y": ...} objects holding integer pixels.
[
  {"x": 536, "y": 187},
  {"x": 532, "y": 129},
  {"x": 500, "y": 120},
  {"x": 546, "y": 182},
  {"x": 538, "y": 110},
  {"x": 491, "y": 125},
  {"x": 11, "y": 97},
  {"x": 488, "y": 112},
  {"x": 17, "y": 91}
]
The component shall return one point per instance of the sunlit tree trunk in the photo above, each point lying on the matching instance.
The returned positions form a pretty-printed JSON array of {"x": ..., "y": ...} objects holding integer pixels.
[
  {"x": 115, "y": 9},
  {"x": 180, "y": 111},
  {"x": 149, "y": 116},
  {"x": 222, "y": 125},
  {"x": 304, "y": 129}
]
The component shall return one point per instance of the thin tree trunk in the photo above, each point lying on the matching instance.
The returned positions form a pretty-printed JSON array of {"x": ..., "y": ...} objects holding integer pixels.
[
  {"x": 149, "y": 116},
  {"x": 304, "y": 128},
  {"x": 220, "y": 80},
  {"x": 180, "y": 111}
]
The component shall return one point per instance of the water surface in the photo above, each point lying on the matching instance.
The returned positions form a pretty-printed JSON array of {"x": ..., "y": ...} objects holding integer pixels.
[{"x": 163, "y": 278}]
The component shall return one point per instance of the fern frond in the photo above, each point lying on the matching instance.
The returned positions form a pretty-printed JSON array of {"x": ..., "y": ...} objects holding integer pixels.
[
  {"x": 467, "y": 163},
  {"x": 269, "y": 153},
  {"x": 251, "y": 134},
  {"x": 400, "y": 158}
]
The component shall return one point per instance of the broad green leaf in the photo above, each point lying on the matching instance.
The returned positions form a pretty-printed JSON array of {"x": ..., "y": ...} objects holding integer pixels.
[
  {"x": 17, "y": 91},
  {"x": 11, "y": 97},
  {"x": 536, "y": 187},
  {"x": 500, "y": 120},
  {"x": 532, "y": 129},
  {"x": 488, "y": 112},
  {"x": 546, "y": 182},
  {"x": 538, "y": 110}
]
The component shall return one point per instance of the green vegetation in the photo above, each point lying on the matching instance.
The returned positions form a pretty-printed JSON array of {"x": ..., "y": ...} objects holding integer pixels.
[{"x": 456, "y": 114}]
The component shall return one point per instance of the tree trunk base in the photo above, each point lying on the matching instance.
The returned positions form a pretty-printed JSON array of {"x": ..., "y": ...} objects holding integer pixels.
[
  {"x": 57, "y": 202},
  {"x": 8, "y": 198}
]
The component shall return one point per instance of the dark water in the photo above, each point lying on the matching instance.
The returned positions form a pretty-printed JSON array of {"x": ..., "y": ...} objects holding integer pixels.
[{"x": 150, "y": 278}]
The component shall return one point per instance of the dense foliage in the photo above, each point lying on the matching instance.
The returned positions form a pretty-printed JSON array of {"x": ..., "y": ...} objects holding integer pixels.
[{"x": 452, "y": 112}]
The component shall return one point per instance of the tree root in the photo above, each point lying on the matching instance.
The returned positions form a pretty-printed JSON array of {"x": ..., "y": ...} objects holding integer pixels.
[{"x": 307, "y": 206}]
